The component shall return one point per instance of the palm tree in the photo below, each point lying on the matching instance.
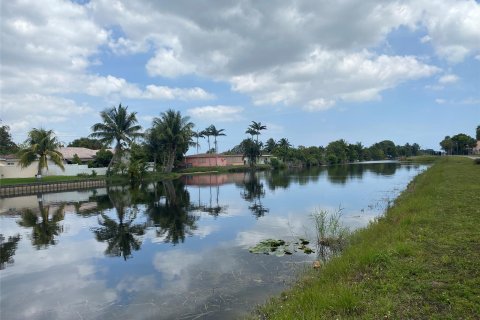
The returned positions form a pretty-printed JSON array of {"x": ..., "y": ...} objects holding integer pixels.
[
  {"x": 197, "y": 134},
  {"x": 216, "y": 133},
  {"x": 270, "y": 145},
  {"x": 175, "y": 134},
  {"x": 41, "y": 146},
  {"x": 284, "y": 145},
  {"x": 207, "y": 133},
  {"x": 257, "y": 127},
  {"x": 118, "y": 126}
]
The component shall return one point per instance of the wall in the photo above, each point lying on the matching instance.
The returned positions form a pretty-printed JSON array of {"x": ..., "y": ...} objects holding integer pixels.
[
  {"x": 72, "y": 170},
  {"x": 14, "y": 171}
]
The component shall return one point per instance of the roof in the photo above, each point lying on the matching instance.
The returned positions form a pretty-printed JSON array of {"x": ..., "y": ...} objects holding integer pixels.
[{"x": 82, "y": 153}]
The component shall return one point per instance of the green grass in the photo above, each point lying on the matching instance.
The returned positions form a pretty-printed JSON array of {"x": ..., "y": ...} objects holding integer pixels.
[
  {"x": 421, "y": 159},
  {"x": 14, "y": 181},
  {"x": 420, "y": 261}
]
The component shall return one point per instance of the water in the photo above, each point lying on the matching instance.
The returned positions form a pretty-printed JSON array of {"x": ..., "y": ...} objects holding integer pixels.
[{"x": 175, "y": 250}]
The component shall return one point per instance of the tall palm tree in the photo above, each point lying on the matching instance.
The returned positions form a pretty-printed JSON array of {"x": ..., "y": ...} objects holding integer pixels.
[
  {"x": 284, "y": 145},
  {"x": 257, "y": 127},
  {"x": 216, "y": 133},
  {"x": 207, "y": 133},
  {"x": 118, "y": 126},
  {"x": 175, "y": 134},
  {"x": 196, "y": 135},
  {"x": 41, "y": 146}
]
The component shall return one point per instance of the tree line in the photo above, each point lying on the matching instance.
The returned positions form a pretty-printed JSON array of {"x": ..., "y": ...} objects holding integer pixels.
[{"x": 171, "y": 135}]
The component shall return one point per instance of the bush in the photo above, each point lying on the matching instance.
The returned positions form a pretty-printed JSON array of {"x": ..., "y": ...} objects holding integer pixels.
[
  {"x": 94, "y": 173},
  {"x": 477, "y": 161}
]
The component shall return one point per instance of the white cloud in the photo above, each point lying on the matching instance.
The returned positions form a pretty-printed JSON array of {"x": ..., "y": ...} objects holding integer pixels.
[
  {"x": 448, "y": 79},
  {"x": 440, "y": 101},
  {"x": 42, "y": 110},
  {"x": 217, "y": 113}
]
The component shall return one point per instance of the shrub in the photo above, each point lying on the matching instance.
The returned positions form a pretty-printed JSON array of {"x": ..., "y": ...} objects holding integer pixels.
[{"x": 477, "y": 161}]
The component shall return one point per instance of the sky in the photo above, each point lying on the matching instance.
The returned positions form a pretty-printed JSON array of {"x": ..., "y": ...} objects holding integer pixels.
[{"x": 311, "y": 71}]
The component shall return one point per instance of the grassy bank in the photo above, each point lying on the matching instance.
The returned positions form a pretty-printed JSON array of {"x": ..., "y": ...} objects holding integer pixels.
[
  {"x": 45, "y": 179},
  {"x": 421, "y": 261}
]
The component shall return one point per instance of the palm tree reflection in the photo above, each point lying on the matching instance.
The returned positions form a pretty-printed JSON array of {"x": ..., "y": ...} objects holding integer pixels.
[
  {"x": 170, "y": 214},
  {"x": 44, "y": 227},
  {"x": 121, "y": 235},
  {"x": 7, "y": 250},
  {"x": 253, "y": 192}
]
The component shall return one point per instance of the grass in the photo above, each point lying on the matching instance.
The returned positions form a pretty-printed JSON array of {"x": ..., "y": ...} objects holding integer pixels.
[
  {"x": 421, "y": 159},
  {"x": 45, "y": 179},
  {"x": 420, "y": 261}
]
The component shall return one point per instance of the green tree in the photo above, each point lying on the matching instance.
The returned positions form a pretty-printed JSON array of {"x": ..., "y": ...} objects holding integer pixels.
[
  {"x": 197, "y": 135},
  {"x": 102, "y": 158},
  {"x": 257, "y": 127},
  {"x": 175, "y": 134},
  {"x": 270, "y": 145},
  {"x": 478, "y": 133},
  {"x": 40, "y": 145},
  {"x": 118, "y": 126},
  {"x": 89, "y": 143},
  {"x": 207, "y": 133},
  {"x": 462, "y": 143},
  {"x": 337, "y": 151},
  {"x": 216, "y": 133},
  {"x": 76, "y": 159},
  {"x": 6, "y": 144},
  {"x": 251, "y": 150},
  {"x": 447, "y": 145},
  {"x": 283, "y": 148}
]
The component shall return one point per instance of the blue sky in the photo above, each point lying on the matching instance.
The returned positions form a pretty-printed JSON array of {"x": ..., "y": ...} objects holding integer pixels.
[{"x": 312, "y": 71}]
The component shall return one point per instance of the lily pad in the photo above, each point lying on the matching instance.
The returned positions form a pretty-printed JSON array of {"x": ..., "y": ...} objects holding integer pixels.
[{"x": 280, "y": 247}]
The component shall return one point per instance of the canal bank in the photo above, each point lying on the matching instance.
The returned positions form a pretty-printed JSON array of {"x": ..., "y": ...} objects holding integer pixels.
[{"x": 421, "y": 260}]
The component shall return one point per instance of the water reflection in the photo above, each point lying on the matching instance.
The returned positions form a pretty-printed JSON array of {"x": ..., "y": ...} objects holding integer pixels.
[
  {"x": 186, "y": 242},
  {"x": 7, "y": 250},
  {"x": 121, "y": 235},
  {"x": 253, "y": 192},
  {"x": 169, "y": 212},
  {"x": 44, "y": 227}
]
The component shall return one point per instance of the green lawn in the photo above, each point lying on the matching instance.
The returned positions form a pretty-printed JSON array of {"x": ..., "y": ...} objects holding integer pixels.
[
  {"x": 13, "y": 181},
  {"x": 421, "y": 261}
]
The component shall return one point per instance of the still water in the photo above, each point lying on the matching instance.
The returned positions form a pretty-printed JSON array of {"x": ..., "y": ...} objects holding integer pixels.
[{"x": 178, "y": 249}]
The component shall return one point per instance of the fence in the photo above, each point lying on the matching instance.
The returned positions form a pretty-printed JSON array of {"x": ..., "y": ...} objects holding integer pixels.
[{"x": 33, "y": 188}]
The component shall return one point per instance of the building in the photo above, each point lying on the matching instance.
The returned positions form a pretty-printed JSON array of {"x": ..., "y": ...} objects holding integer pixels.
[
  {"x": 221, "y": 160},
  {"x": 10, "y": 168},
  {"x": 476, "y": 149},
  {"x": 213, "y": 160}
]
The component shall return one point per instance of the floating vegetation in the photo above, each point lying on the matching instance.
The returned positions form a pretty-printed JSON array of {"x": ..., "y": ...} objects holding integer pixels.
[
  {"x": 331, "y": 234},
  {"x": 281, "y": 248}
]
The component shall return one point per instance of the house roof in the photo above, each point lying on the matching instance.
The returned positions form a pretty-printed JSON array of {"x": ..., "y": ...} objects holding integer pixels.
[{"x": 82, "y": 153}]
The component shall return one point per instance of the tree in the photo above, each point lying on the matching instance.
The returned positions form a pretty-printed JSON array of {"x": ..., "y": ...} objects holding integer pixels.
[
  {"x": 251, "y": 150},
  {"x": 462, "y": 143},
  {"x": 337, "y": 152},
  {"x": 215, "y": 133},
  {"x": 6, "y": 144},
  {"x": 283, "y": 146},
  {"x": 118, "y": 126},
  {"x": 197, "y": 135},
  {"x": 41, "y": 145},
  {"x": 257, "y": 127},
  {"x": 175, "y": 134},
  {"x": 478, "y": 133},
  {"x": 89, "y": 143},
  {"x": 270, "y": 145}
]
